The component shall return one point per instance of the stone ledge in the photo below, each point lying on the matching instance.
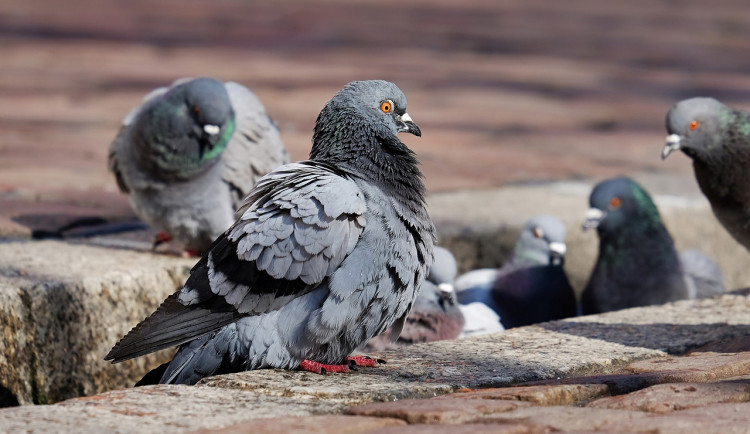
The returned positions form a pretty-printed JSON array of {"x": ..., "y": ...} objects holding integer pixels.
[
  {"x": 64, "y": 305},
  {"x": 551, "y": 351}
]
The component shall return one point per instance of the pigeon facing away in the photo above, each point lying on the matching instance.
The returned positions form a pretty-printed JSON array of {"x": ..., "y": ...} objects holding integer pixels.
[
  {"x": 532, "y": 286},
  {"x": 436, "y": 315},
  {"x": 717, "y": 138},
  {"x": 326, "y": 254},
  {"x": 637, "y": 263},
  {"x": 190, "y": 153}
]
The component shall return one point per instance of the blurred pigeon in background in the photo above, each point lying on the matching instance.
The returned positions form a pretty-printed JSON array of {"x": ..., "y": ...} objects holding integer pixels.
[
  {"x": 532, "y": 286},
  {"x": 637, "y": 263},
  {"x": 326, "y": 254},
  {"x": 435, "y": 315},
  {"x": 717, "y": 138},
  {"x": 190, "y": 153}
]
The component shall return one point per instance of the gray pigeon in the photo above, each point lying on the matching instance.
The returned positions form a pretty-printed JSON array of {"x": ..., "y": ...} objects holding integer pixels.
[
  {"x": 436, "y": 315},
  {"x": 190, "y": 153},
  {"x": 717, "y": 138},
  {"x": 532, "y": 286},
  {"x": 637, "y": 263},
  {"x": 326, "y": 254}
]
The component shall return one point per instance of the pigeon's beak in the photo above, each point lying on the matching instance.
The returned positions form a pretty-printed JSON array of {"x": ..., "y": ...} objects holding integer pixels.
[
  {"x": 211, "y": 130},
  {"x": 673, "y": 144},
  {"x": 446, "y": 293},
  {"x": 593, "y": 217},
  {"x": 407, "y": 125},
  {"x": 557, "y": 252}
]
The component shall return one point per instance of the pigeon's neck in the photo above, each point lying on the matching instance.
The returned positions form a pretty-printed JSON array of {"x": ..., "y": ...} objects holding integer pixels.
[
  {"x": 720, "y": 171},
  {"x": 168, "y": 145},
  {"x": 650, "y": 247},
  {"x": 377, "y": 157},
  {"x": 526, "y": 256}
]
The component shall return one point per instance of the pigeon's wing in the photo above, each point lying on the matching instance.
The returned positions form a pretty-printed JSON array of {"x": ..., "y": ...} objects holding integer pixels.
[
  {"x": 702, "y": 275},
  {"x": 255, "y": 148},
  {"x": 296, "y": 227}
]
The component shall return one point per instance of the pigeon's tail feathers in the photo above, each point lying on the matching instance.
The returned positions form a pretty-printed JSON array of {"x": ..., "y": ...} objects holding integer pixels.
[
  {"x": 702, "y": 275},
  {"x": 172, "y": 324},
  {"x": 153, "y": 376},
  {"x": 202, "y": 357}
]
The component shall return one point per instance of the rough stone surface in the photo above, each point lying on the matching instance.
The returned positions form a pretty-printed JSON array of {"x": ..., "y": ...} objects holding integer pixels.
[
  {"x": 696, "y": 366},
  {"x": 447, "y": 411},
  {"x": 733, "y": 418},
  {"x": 679, "y": 396},
  {"x": 564, "y": 394},
  {"x": 469, "y": 428},
  {"x": 566, "y": 419},
  {"x": 383, "y": 383},
  {"x": 65, "y": 305},
  {"x": 311, "y": 425},
  {"x": 158, "y": 409}
]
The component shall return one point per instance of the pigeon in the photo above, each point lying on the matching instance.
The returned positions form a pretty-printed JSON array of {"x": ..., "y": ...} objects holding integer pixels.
[
  {"x": 717, "y": 138},
  {"x": 435, "y": 315},
  {"x": 326, "y": 253},
  {"x": 703, "y": 277},
  {"x": 189, "y": 155},
  {"x": 638, "y": 264},
  {"x": 532, "y": 286}
]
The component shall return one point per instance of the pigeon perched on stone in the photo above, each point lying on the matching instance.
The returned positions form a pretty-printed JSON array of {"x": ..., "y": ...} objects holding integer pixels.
[
  {"x": 637, "y": 263},
  {"x": 717, "y": 138},
  {"x": 190, "y": 153},
  {"x": 326, "y": 254},
  {"x": 435, "y": 315},
  {"x": 532, "y": 286}
]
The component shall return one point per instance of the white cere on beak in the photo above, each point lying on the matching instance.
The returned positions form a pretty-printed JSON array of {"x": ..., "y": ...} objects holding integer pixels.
[
  {"x": 593, "y": 217},
  {"x": 672, "y": 144},
  {"x": 559, "y": 248},
  {"x": 406, "y": 118},
  {"x": 446, "y": 288},
  {"x": 211, "y": 129}
]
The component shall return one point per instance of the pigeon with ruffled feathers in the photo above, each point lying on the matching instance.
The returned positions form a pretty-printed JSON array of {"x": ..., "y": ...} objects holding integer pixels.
[
  {"x": 189, "y": 155},
  {"x": 326, "y": 254}
]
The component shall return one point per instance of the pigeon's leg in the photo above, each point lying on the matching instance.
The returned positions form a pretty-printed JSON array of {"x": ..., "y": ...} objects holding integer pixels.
[
  {"x": 190, "y": 253},
  {"x": 161, "y": 238},
  {"x": 362, "y": 360},
  {"x": 320, "y": 368}
]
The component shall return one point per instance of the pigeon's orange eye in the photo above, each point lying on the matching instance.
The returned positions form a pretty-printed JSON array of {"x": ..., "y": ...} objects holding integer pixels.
[
  {"x": 386, "y": 106},
  {"x": 196, "y": 110},
  {"x": 693, "y": 125},
  {"x": 614, "y": 202},
  {"x": 538, "y": 232}
]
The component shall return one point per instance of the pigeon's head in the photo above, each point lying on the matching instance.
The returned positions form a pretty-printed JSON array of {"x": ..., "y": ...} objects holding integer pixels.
[
  {"x": 693, "y": 125},
  {"x": 183, "y": 131},
  {"x": 542, "y": 242},
  {"x": 210, "y": 110},
  {"x": 619, "y": 203},
  {"x": 442, "y": 274},
  {"x": 360, "y": 111}
]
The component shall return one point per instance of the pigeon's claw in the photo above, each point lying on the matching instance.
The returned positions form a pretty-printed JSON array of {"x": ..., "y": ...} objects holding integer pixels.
[
  {"x": 321, "y": 368},
  {"x": 367, "y": 361}
]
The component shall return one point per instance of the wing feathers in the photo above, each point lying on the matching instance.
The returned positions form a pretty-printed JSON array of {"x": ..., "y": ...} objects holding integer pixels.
[{"x": 171, "y": 324}]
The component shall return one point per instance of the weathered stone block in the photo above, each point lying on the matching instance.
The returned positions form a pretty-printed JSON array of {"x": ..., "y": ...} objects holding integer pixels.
[{"x": 65, "y": 305}]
